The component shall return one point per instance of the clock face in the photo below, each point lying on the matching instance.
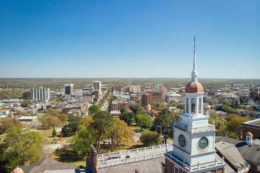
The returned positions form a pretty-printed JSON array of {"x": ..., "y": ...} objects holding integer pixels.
[
  {"x": 203, "y": 143},
  {"x": 182, "y": 140}
]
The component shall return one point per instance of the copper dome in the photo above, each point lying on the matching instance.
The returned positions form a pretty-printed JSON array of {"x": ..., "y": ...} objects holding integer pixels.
[{"x": 194, "y": 87}]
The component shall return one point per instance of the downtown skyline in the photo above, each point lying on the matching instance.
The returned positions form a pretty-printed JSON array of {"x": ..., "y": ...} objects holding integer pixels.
[{"x": 129, "y": 39}]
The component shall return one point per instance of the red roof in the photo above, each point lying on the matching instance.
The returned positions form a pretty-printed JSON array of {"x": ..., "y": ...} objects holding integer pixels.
[{"x": 194, "y": 87}]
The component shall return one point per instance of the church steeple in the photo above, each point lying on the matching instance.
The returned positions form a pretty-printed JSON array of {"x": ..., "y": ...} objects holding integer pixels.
[
  {"x": 194, "y": 138},
  {"x": 194, "y": 73},
  {"x": 194, "y": 86}
]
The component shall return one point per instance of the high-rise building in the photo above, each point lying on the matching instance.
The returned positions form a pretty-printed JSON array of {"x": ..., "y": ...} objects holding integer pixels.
[
  {"x": 40, "y": 94},
  {"x": 68, "y": 89},
  {"x": 194, "y": 146},
  {"x": 97, "y": 86}
]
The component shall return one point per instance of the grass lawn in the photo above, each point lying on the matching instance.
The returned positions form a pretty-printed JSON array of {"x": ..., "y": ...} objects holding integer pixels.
[
  {"x": 138, "y": 129},
  {"x": 48, "y": 139}
]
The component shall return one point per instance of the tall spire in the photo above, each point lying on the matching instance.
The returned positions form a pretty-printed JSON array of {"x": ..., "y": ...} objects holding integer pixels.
[
  {"x": 194, "y": 74},
  {"x": 194, "y": 54}
]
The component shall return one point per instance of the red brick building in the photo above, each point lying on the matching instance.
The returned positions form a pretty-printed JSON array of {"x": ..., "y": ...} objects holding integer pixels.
[
  {"x": 151, "y": 97},
  {"x": 253, "y": 127}
]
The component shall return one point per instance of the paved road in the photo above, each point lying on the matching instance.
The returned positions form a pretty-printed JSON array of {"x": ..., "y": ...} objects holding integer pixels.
[
  {"x": 104, "y": 107},
  {"x": 48, "y": 149},
  {"x": 136, "y": 137}
]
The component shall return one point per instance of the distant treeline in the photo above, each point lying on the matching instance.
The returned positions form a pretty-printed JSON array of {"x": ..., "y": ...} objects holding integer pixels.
[
  {"x": 11, "y": 94},
  {"x": 55, "y": 83}
]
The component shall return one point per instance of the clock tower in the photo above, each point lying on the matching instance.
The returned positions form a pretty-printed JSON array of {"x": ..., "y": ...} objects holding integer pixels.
[{"x": 194, "y": 138}]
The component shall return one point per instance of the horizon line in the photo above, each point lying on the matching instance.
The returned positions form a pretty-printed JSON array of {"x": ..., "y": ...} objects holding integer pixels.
[{"x": 185, "y": 78}]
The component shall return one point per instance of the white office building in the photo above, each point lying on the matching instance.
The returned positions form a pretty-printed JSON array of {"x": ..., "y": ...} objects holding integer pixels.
[
  {"x": 97, "y": 86},
  {"x": 40, "y": 94}
]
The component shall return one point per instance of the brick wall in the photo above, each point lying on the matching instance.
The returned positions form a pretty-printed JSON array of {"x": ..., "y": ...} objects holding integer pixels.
[
  {"x": 254, "y": 169},
  {"x": 91, "y": 161},
  {"x": 169, "y": 166},
  {"x": 218, "y": 171},
  {"x": 254, "y": 130}
]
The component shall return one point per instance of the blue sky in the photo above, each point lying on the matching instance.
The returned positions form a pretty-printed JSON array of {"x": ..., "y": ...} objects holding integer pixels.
[{"x": 129, "y": 38}]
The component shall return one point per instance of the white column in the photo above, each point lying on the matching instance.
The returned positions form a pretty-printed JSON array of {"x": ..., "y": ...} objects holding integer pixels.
[
  {"x": 189, "y": 105},
  {"x": 33, "y": 94},
  {"x": 185, "y": 105},
  {"x": 196, "y": 105},
  {"x": 201, "y": 104}
]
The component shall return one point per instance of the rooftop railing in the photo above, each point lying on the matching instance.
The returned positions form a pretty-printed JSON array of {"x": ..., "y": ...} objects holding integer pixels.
[{"x": 133, "y": 155}]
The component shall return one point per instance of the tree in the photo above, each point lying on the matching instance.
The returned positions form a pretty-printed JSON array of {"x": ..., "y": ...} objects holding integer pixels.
[
  {"x": 119, "y": 132},
  {"x": 52, "y": 112},
  {"x": 74, "y": 119},
  {"x": 158, "y": 106},
  {"x": 101, "y": 121},
  {"x": 220, "y": 124},
  {"x": 228, "y": 109},
  {"x": 144, "y": 121},
  {"x": 234, "y": 124},
  {"x": 94, "y": 131},
  {"x": 163, "y": 123},
  {"x": 8, "y": 122},
  {"x": 123, "y": 110},
  {"x": 68, "y": 130},
  {"x": 149, "y": 138},
  {"x": 10, "y": 93},
  {"x": 21, "y": 147},
  {"x": 136, "y": 108},
  {"x": 26, "y": 95},
  {"x": 63, "y": 118},
  {"x": 82, "y": 141},
  {"x": 26, "y": 103},
  {"x": 93, "y": 109},
  {"x": 72, "y": 126},
  {"x": 54, "y": 133},
  {"x": 128, "y": 117},
  {"x": 50, "y": 121},
  {"x": 85, "y": 122},
  {"x": 3, "y": 162}
]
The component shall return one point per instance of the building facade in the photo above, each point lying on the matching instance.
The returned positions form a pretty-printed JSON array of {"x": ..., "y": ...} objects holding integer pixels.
[
  {"x": 151, "y": 97},
  {"x": 117, "y": 105},
  {"x": 97, "y": 86},
  {"x": 194, "y": 146},
  {"x": 253, "y": 127},
  {"x": 68, "y": 89},
  {"x": 40, "y": 94}
]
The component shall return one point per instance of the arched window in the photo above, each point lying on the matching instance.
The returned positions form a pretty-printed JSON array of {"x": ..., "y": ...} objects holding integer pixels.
[
  {"x": 193, "y": 105},
  {"x": 187, "y": 105}
]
